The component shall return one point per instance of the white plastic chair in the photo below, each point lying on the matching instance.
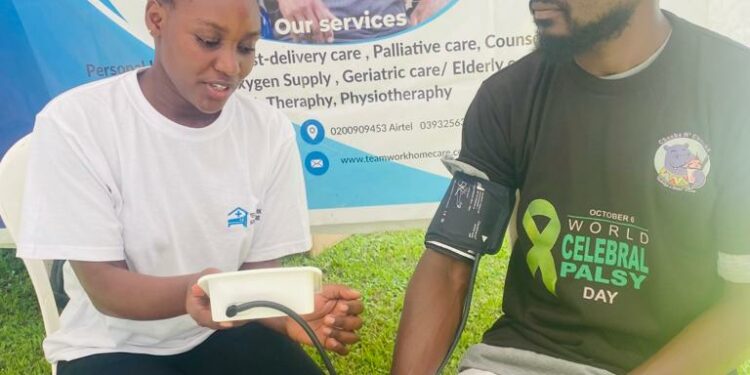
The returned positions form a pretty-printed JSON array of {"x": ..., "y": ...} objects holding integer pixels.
[{"x": 12, "y": 178}]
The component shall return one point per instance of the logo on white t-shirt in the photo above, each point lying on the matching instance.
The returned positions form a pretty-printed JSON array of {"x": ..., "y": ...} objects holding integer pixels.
[{"x": 240, "y": 216}]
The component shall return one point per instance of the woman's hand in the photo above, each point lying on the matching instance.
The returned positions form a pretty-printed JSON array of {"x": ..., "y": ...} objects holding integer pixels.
[
  {"x": 334, "y": 321},
  {"x": 198, "y": 305}
]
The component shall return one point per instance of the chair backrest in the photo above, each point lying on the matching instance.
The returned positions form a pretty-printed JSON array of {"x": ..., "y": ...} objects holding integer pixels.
[{"x": 12, "y": 178}]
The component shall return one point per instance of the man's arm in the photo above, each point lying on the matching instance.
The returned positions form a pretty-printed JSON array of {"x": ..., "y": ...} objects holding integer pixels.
[
  {"x": 714, "y": 343},
  {"x": 431, "y": 314}
]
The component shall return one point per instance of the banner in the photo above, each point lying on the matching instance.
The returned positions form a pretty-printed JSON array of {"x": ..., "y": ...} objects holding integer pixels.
[
  {"x": 379, "y": 107},
  {"x": 377, "y": 89}
]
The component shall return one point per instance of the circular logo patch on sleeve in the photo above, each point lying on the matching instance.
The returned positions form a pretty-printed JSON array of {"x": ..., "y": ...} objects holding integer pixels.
[{"x": 682, "y": 162}]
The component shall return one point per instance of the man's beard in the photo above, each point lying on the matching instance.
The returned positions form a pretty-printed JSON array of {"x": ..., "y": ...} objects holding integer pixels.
[{"x": 583, "y": 38}]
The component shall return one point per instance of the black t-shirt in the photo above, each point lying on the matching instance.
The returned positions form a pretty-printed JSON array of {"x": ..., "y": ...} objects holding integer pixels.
[{"x": 630, "y": 189}]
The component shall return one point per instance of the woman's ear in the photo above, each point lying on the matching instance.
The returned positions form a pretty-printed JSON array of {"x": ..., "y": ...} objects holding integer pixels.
[{"x": 155, "y": 15}]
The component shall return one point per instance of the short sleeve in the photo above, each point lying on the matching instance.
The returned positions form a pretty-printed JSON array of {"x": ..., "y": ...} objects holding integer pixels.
[
  {"x": 484, "y": 146},
  {"x": 730, "y": 89},
  {"x": 68, "y": 208},
  {"x": 733, "y": 218},
  {"x": 484, "y": 142},
  {"x": 284, "y": 227}
]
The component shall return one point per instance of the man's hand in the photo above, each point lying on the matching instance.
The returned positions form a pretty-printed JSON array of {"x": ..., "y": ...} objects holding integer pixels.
[
  {"x": 307, "y": 14},
  {"x": 425, "y": 9},
  {"x": 198, "y": 305},
  {"x": 335, "y": 319}
]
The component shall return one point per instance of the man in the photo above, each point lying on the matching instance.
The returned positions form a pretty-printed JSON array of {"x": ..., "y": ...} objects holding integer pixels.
[{"x": 623, "y": 133}]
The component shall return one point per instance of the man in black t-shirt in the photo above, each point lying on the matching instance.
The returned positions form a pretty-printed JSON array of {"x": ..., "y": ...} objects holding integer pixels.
[{"x": 626, "y": 134}]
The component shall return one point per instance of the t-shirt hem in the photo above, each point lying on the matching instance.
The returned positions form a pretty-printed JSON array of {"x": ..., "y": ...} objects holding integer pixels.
[
  {"x": 280, "y": 250},
  {"x": 89, "y": 254},
  {"x": 76, "y": 353}
]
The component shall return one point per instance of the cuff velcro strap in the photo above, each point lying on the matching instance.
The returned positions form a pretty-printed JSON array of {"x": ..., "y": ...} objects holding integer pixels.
[{"x": 472, "y": 217}]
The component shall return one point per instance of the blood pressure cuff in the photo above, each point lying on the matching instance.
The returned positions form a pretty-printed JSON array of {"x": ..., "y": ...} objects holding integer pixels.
[{"x": 473, "y": 215}]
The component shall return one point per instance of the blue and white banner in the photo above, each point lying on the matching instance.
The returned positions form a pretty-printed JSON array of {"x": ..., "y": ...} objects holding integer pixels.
[
  {"x": 379, "y": 106},
  {"x": 377, "y": 88}
]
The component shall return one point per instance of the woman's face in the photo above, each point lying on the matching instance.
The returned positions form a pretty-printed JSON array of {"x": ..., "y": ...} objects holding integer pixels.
[{"x": 204, "y": 47}]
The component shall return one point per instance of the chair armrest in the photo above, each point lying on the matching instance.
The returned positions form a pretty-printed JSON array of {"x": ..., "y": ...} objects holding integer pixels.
[{"x": 6, "y": 241}]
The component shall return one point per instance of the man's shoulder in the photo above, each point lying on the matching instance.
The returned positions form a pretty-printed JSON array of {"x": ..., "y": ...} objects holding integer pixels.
[
  {"x": 714, "y": 38},
  {"x": 719, "y": 51},
  {"x": 519, "y": 76}
]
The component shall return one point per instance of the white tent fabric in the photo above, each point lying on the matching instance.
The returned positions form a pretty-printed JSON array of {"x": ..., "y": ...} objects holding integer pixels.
[{"x": 729, "y": 17}]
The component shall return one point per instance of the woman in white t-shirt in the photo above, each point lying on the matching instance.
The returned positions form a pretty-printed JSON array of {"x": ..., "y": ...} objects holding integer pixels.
[{"x": 139, "y": 180}]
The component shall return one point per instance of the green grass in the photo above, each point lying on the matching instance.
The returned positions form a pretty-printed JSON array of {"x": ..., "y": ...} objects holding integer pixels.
[
  {"x": 21, "y": 327},
  {"x": 378, "y": 265}
]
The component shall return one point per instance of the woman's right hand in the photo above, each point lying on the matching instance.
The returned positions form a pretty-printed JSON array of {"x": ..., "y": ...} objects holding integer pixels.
[{"x": 198, "y": 304}]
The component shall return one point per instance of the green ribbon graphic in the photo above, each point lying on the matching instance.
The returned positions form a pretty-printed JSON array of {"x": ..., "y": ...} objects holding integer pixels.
[{"x": 540, "y": 255}]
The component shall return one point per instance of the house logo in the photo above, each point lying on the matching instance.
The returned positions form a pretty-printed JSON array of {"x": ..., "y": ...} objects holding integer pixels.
[{"x": 240, "y": 216}]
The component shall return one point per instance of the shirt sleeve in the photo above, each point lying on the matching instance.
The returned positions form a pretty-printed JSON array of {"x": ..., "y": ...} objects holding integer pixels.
[
  {"x": 484, "y": 146},
  {"x": 485, "y": 143},
  {"x": 284, "y": 227},
  {"x": 733, "y": 217},
  {"x": 729, "y": 154},
  {"x": 68, "y": 209}
]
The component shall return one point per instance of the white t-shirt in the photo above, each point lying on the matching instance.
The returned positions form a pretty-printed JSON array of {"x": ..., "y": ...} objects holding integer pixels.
[{"x": 110, "y": 178}]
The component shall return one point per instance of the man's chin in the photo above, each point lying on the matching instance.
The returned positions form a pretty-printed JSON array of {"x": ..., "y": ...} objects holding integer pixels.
[
  {"x": 556, "y": 48},
  {"x": 560, "y": 44},
  {"x": 553, "y": 27}
]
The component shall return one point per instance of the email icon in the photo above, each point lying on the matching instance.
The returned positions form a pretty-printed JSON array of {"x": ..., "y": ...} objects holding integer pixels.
[{"x": 316, "y": 163}]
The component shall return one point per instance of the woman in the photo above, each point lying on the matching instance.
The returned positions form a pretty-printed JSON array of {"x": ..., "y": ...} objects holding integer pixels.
[{"x": 134, "y": 179}]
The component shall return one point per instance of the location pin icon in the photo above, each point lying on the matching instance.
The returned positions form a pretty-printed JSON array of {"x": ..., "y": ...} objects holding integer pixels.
[{"x": 312, "y": 131}]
